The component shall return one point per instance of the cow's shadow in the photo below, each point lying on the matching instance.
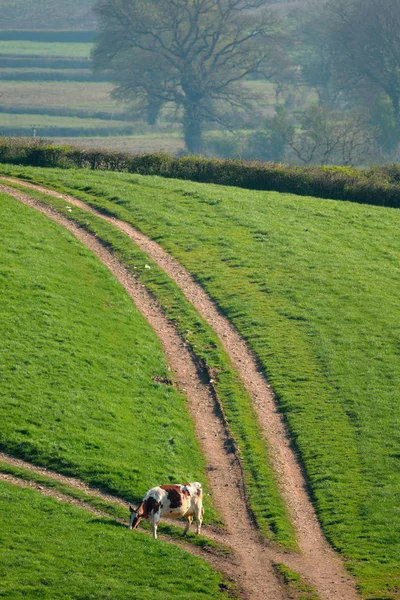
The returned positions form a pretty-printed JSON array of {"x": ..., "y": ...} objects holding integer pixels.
[{"x": 109, "y": 522}]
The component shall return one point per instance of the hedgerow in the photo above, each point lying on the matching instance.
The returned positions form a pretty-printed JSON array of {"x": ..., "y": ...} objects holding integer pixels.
[{"x": 376, "y": 185}]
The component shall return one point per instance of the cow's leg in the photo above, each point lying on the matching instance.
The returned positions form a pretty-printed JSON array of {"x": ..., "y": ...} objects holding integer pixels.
[
  {"x": 199, "y": 518},
  {"x": 156, "y": 520},
  {"x": 189, "y": 520}
]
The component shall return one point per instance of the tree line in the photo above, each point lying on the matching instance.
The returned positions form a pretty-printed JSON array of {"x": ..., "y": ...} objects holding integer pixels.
[{"x": 335, "y": 66}]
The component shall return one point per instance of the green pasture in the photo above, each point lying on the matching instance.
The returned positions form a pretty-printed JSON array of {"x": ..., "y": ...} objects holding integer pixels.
[
  {"x": 27, "y": 72},
  {"x": 51, "y": 550},
  {"x": 21, "y": 47},
  {"x": 264, "y": 498},
  {"x": 79, "y": 368},
  {"x": 314, "y": 287}
]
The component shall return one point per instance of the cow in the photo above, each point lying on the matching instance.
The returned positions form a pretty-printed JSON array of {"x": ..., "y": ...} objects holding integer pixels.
[{"x": 173, "y": 501}]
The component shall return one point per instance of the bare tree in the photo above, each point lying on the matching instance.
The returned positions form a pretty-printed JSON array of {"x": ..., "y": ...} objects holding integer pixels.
[
  {"x": 195, "y": 54},
  {"x": 321, "y": 136}
]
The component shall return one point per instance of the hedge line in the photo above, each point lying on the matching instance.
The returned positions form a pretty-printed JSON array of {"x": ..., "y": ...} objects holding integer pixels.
[{"x": 376, "y": 185}]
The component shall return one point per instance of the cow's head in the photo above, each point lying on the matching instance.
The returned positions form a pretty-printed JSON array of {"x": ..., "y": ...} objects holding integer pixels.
[{"x": 136, "y": 516}]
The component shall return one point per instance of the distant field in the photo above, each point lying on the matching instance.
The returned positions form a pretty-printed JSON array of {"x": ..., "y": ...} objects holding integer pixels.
[
  {"x": 136, "y": 144},
  {"x": 47, "y": 74},
  {"x": 54, "y": 551},
  {"x": 28, "y": 74},
  {"x": 73, "y": 50},
  {"x": 80, "y": 367},
  {"x": 314, "y": 286},
  {"x": 40, "y": 77},
  {"x": 15, "y": 120},
  {"x": 47, "y": 14},
  {"x": 90, "y": 96}
]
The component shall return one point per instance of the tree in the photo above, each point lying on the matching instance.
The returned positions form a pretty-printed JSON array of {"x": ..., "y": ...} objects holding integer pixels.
[
  {"x": 321, "y": 136},
  {"x": 312, "y": 27},
  {"x": 195, "y": 54},
  {"x": 366, "y": 44}
]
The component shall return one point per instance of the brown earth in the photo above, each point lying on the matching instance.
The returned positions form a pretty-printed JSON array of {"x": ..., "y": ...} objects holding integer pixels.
[{"x": 316, "y": 561}]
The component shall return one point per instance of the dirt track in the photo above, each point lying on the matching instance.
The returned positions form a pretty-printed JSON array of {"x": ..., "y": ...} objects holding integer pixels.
[{"x": 316, "y": 562}]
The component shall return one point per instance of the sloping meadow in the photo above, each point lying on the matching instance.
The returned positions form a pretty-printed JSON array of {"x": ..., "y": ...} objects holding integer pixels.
[
  {"x": 81, "y": 368},
  {"x": 314, "y": 287},
  {"x": 55, "y": 551}
]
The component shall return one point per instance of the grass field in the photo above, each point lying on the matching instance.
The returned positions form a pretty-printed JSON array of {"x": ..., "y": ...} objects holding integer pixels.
[
  {"x": 313, "y": 285},
  {"x": 21, "y": 47},
  {"x": 26, "y": 120},
  {"x": 54, "y": 551},
  {"x": 33, "y": 87},
  {"x": 136, "y": 144},
  {"x": 268, "y": 508},
  {"x": 79, "y": 368},
  {"x": 25, "y": 73},
  {"x": 94, "y": 96}
]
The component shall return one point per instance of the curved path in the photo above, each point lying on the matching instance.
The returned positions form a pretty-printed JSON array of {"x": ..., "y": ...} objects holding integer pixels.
[{"x": 317, "y": 562}]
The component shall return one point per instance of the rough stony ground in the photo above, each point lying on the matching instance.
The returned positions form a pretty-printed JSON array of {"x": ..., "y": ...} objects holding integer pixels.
[{"x": 316, "y": 560}]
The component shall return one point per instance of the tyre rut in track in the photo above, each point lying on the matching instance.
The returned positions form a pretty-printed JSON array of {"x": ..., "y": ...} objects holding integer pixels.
[{"x": 317, "y": 562}]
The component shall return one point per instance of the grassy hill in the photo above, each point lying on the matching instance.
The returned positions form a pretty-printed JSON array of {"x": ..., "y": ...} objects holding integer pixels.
[
  {"x": 80, "y": 367},
  {"x": 80, "y": 385},
  {"x": 58, "y": 552},
  {"x": 313, "y": 285}
]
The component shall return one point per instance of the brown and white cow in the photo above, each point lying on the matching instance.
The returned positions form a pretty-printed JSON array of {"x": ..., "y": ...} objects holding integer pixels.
[{"x": 173, "y": 501}]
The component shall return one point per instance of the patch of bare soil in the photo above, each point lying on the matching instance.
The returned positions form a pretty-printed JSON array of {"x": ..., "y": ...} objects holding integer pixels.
[{"x": 317, "y": 562}]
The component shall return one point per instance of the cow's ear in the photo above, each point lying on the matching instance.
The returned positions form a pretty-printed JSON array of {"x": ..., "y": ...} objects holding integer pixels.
[{"x": 132, "y": 509}]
